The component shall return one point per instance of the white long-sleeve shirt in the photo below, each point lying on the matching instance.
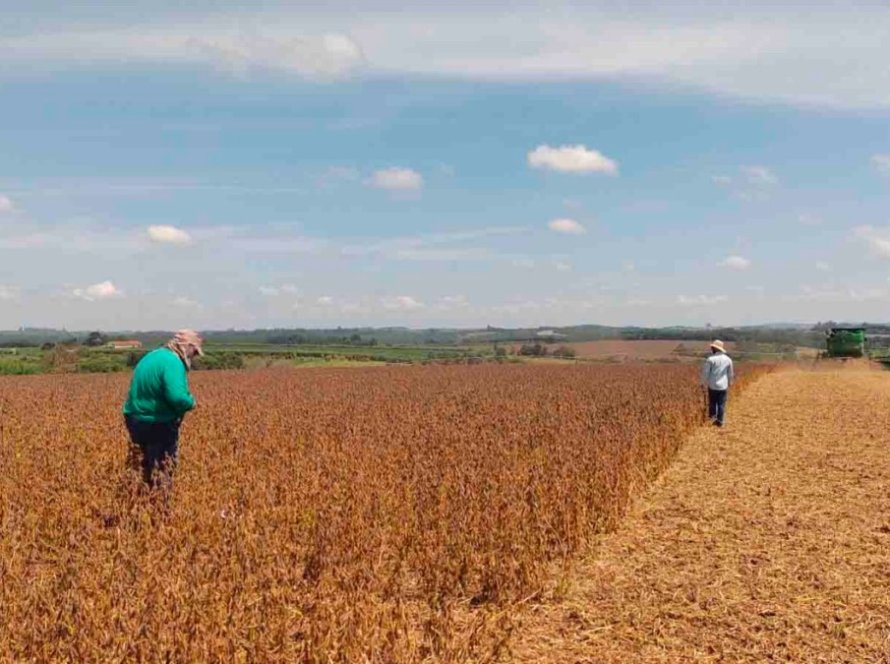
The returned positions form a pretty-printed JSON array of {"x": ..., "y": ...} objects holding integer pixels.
[{"x": 717, "y": 373}]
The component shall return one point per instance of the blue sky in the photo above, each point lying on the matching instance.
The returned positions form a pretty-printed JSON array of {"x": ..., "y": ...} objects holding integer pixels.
[{"x": 341, "y": 163}]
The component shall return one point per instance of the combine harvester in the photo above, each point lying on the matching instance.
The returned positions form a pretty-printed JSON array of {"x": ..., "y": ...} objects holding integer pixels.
[{"x": 845, "y": 343}]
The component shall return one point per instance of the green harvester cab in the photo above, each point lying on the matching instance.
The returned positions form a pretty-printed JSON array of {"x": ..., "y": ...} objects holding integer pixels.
[{"x": 846, "y": 342}]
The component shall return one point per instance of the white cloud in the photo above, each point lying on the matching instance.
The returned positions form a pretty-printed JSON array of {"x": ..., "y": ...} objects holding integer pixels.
[
  {"x": 168, "y": 235},
  {"x": 316, "y": 55},
  {"x": 758, "y": 175},
  {"x": 701, "y": 300},
  {"x": 451, "y": 254},
  {"x": 823, "y": 267},
  {"x": 8, "y": 292},
  {"x": 362, "y": 308},
  {"x": 571, "y": 159},
  {"x": 401, "y": 303},
  {"x": 525, "y": 263},
  {"x": 563, "y": 266},
  {"x": 517, "y": 307},
  {"x": 397, "y": 179},
  {"x": 831, "y": 293},
  {"x": 754, "y": 51},
  {"x": 102, "y": 291},
  {"x": 835, "y": 293},
  {"x": 451, "y": 302},
  {"x": 877, "y": 239},
  {"x": 807, "y": 219},
  {"x": 325, "y": 300},
  {"x": 882, "y": 163},
  {"x": 567, "y": 226},
  {"x": 752, "y": 183},
  {"x": 860, "y": 295},
  {"x": 326, "y": 56},
  {"x": 752, "y": 176},
  {"x": 735, "y": 263},
  {"x": 638, "y": 302},
  {"x": 274, "y": 291},
  {"x": 433, "y": 246},
  {"x": 809, "y": 292},
  {"x": 6, "y": 204},
  {"x": 183, "y": 301}
]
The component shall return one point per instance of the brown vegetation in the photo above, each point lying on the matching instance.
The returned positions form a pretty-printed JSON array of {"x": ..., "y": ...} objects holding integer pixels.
[
  {"x": 397, "y": 514},
  {"x": 630, "y": 350},
  {"x": 767, "y": 541}
]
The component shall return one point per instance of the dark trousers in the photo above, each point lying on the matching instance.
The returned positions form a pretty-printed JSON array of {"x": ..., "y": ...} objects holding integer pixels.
[
  {"x": 154, "y": 449},
  {"x": 717, "y": 405}
]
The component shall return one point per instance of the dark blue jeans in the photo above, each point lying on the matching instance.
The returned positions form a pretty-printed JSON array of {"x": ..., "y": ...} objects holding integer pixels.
[
  {"x": 717, "y": 406},
  {"x": 154, "y": 450}
]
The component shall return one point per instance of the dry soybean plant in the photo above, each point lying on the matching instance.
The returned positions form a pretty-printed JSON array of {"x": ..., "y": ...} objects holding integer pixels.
[{"x": 334, "y": 515}]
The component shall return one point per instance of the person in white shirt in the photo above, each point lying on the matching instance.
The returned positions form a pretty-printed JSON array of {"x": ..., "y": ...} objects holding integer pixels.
[{"x": 717, "y": 376}]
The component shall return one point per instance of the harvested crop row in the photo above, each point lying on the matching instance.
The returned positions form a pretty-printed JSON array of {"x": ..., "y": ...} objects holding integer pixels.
[{"x": 334, "y": 515}]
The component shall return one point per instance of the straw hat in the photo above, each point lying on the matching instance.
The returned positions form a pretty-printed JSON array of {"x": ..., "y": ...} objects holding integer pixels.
[{"x": 718, "y": 345}]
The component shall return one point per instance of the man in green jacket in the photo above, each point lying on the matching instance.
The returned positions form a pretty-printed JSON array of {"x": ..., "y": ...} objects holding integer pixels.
[{"x": 158, "y": 399}]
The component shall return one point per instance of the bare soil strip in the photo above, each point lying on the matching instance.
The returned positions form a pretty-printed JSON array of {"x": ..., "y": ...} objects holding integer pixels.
[{"x": 768, "y": 540}]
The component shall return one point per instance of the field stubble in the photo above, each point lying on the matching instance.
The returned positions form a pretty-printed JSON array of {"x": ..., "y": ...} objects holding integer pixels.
[{"x": 381, "y": 515}]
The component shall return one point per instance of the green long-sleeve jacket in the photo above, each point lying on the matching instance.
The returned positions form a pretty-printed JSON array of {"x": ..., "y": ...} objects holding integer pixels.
[{"x": 159, "y": 391}]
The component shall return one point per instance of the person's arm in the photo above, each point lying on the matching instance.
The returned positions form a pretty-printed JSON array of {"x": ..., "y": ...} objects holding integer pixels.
[
  {"x": 176, "y": 388},
  {"x": 705, "y": 373},
  {"x": 730, "y": 373}
]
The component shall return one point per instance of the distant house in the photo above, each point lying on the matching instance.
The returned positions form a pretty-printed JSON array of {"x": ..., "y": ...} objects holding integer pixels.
[{"x": 127, "y": 344}]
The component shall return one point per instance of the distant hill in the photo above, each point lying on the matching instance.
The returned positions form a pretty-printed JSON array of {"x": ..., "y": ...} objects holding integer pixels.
[{"x": 798, "y": 334}]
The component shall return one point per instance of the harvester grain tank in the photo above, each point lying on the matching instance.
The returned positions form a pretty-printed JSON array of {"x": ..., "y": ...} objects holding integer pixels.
[{"x": 846, "y": 342}]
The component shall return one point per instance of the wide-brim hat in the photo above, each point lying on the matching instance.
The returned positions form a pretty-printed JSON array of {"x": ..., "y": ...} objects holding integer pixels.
[{"x": 718, "y": 345}]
